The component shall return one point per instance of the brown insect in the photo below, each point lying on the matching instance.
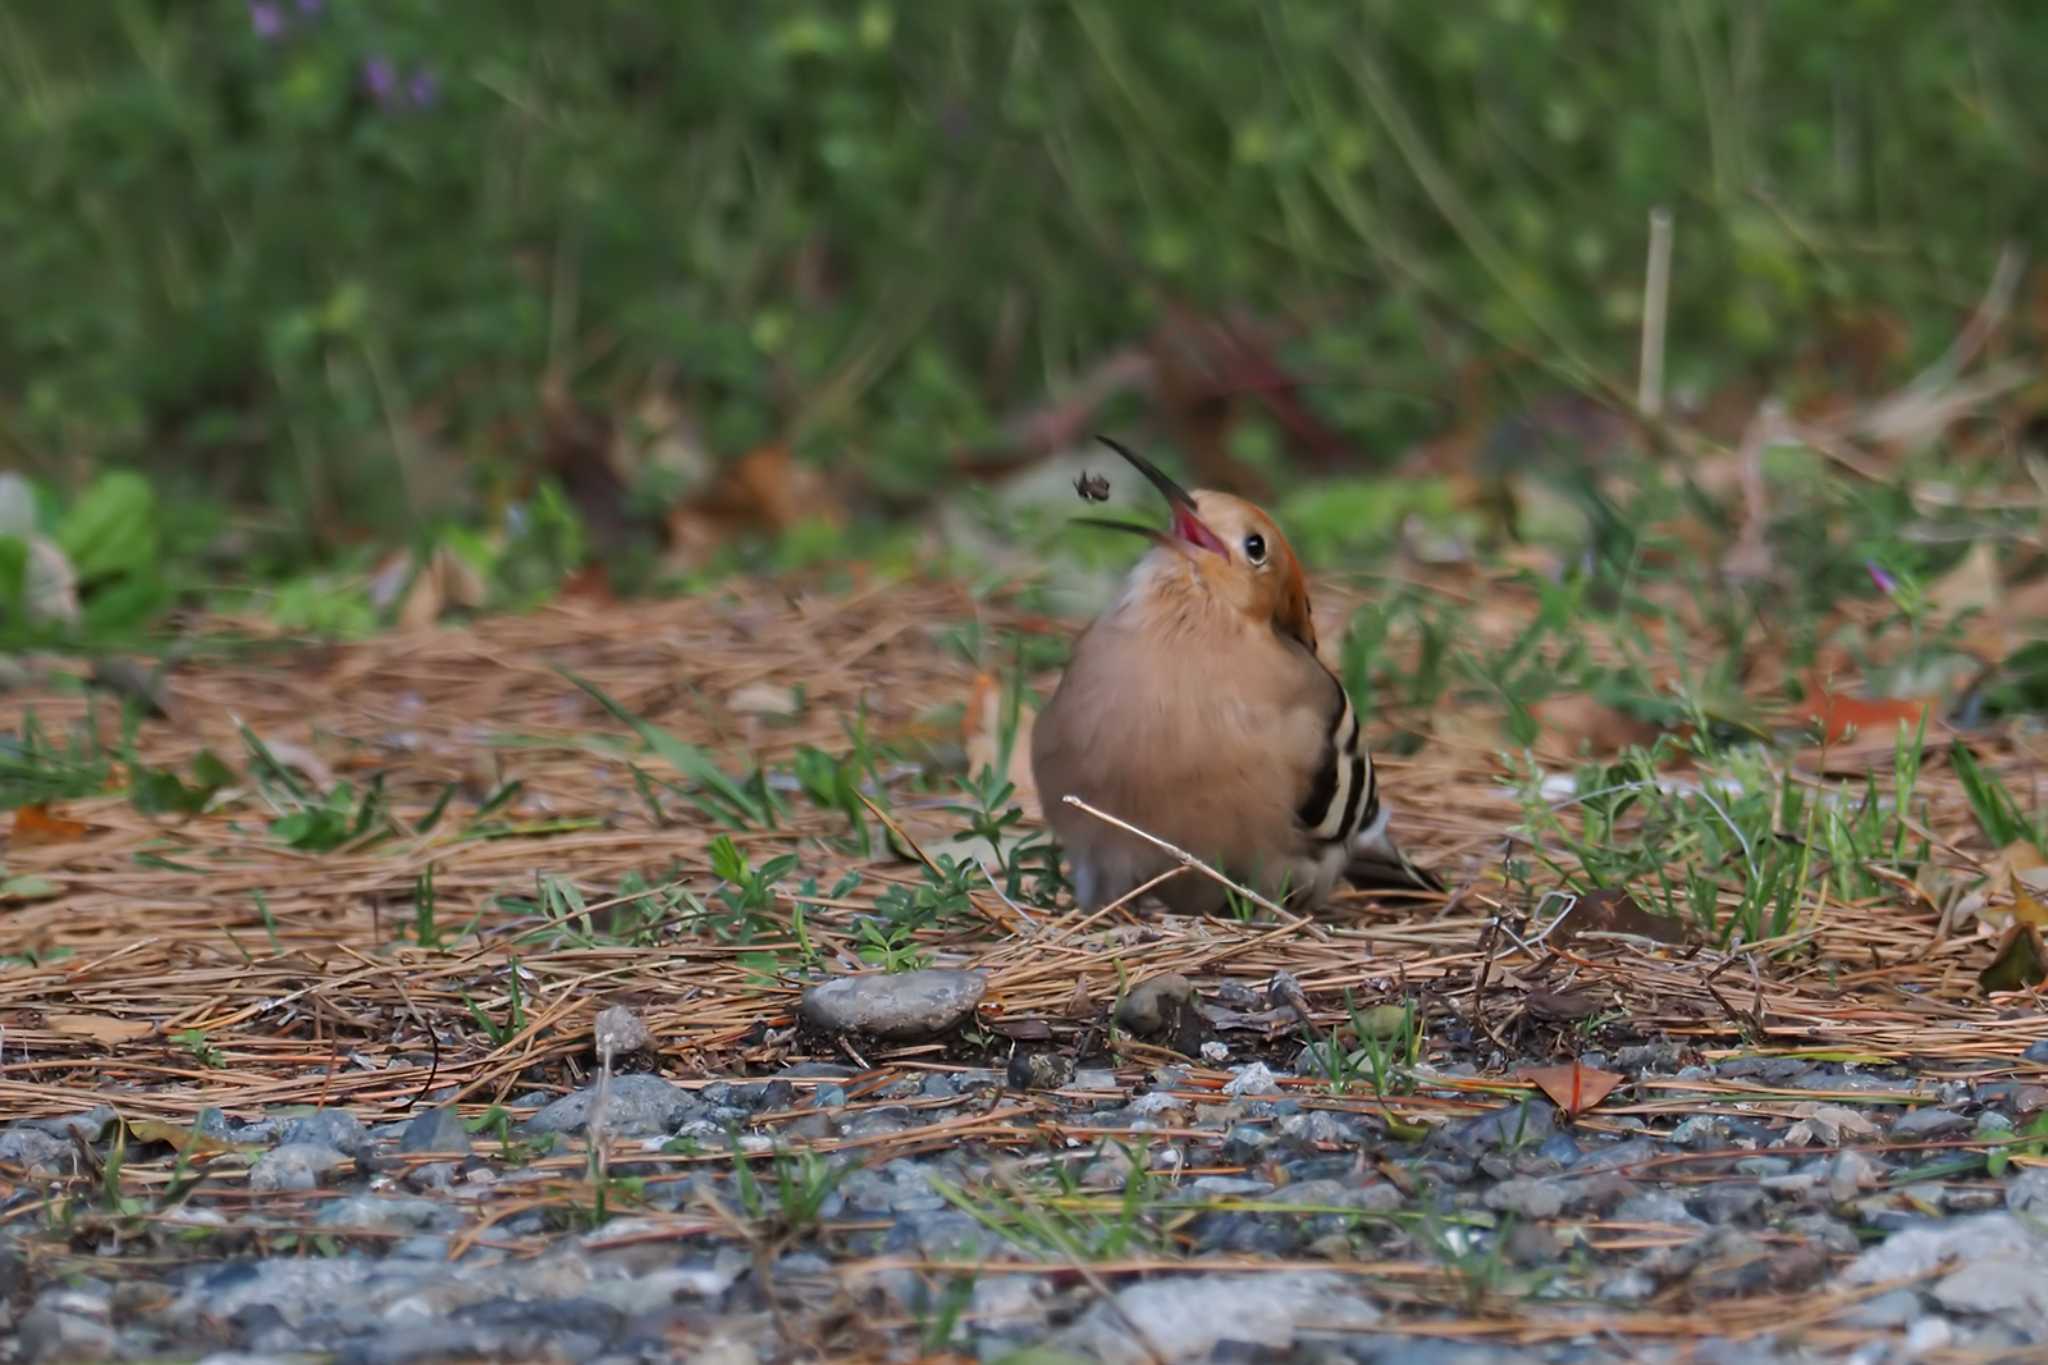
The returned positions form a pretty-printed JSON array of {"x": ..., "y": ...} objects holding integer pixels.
[{"x": 1092, "y": 487}]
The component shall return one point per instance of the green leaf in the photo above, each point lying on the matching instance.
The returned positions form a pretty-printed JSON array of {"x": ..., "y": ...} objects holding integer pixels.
[
  {"x": 28, "y": 887},
  {"x": 111, "y": 530}
]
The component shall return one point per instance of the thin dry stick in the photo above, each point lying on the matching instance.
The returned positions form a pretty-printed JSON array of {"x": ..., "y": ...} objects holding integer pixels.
[
  {"x": 1656, "y": 305},
  {"x": 1188, "y": 859}
]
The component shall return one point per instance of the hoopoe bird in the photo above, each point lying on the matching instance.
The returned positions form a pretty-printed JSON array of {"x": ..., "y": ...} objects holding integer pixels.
[{"x": 1196, "y": 708}]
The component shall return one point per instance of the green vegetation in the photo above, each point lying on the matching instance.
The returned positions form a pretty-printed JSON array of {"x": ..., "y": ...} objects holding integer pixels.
[{"x": 324, "y": 272}]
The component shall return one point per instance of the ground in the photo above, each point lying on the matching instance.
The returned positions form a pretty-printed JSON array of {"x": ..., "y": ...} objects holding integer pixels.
[{"x": 235, "y": 1012}]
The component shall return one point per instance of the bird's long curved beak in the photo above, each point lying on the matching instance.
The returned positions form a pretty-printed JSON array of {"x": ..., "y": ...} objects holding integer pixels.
[{"x": 1188, "y": 526}]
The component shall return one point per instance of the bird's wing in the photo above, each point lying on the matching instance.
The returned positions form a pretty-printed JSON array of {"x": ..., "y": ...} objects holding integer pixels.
[
  {"x": 1341, "y": 795},
  {"x": 1342, "y": 805}
]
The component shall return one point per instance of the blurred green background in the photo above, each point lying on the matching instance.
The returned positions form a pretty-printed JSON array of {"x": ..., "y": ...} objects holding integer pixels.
[{"x": 330, "y": 275}]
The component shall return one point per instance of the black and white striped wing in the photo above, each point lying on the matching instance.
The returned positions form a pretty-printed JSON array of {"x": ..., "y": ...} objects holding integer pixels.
[{"x": 1343, "y": 800}]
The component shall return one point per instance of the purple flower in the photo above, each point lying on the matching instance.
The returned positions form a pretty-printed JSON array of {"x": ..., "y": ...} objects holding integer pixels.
[
  {"x": 424, "y": 87},
  {"x": 380, "y": 78},
  {"x": 1886, "y": 584},
  {"x": 311, "y": 8},
  {"x": 267, "y": 19}
]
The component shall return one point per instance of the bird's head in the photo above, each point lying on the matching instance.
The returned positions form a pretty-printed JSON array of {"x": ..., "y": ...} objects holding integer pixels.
[{"x": 1232, "y": 550}]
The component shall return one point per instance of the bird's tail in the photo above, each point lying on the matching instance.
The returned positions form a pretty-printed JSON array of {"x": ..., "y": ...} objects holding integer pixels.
[{"x": 1378, "y": 864}]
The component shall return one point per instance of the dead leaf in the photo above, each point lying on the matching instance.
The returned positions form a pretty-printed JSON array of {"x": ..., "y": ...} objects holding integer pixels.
[
  {"x": 34, "y": 827},
  {"x": 767, "y": 490},
  {"x": 1973, "y": 586},
  {"x": 1610, "y": 910},
  {"x": 99, "y": 1028},
  {"x": 2019, "y": 964},
  {"x": 1866, "y": 717},
  {"x": 1574, "y": 1088},
  {"x": 185, "y": 1140},
  {"x": 447, "y": 580}
]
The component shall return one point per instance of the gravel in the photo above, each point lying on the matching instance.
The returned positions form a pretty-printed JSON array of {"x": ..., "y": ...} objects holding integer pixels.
[{"x": 412, "y": 1240}]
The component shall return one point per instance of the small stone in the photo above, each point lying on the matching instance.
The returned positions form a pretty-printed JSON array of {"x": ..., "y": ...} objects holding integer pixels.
[
  {"x": 1928, "y": 1123},
  {"x": 1926, "y": 1336},
  {"x": 335, "y": 1128},
  {"x": 432, "y": 1177},
  {"x": 1215, "y": 1053},
  {"x": 1256, "y": 1079},
  {"x": 1040, "y": 1071},
  {"x": 2029, "y": 1190},
  {"x": 1849, "y": 1174},
  {"x": 68, "y": 1324},
  {"x": 1245, "y": 1144},
  {"x": 293, "y": 1166},
  {"x": 38, "y": 1152},
  {"x": 1728, "y": 1204},
  {"x": 1512, "y": 1127},
  {"x": 619, "y": 1032},
  {"x": 437, "y": 1130},
  {"x": 386, "y": 1215},
  {"x": 1885, "y": 1312},
  {"x": 2036, "y": 1052},
  {"x": 1188, "y": 1318},
  {"x": 634, "y": 1106},
  {"x": 901, "y": 1007},
  {"x": 1163, "y": 1007},
  {"x": 89, "y": 1125},
  {"x": 1527, "y": 1198}
]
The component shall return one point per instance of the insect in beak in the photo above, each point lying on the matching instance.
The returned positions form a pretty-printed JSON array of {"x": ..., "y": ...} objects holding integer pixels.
[{"x": 1188, "y": 528}]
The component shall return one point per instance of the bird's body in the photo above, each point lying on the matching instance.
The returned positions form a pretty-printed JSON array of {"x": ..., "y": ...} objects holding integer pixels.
[{"x": 1197, "y": 708}]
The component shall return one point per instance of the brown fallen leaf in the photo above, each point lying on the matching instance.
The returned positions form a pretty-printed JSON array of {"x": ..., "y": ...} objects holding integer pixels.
[
  {"x": 1610, "y": 910},
  {"x": 447, "y": 580},
  {"x": 1839, "y": 717},
  {"x": 99, "y": 1028},
  {"x": 34, "y": 826},
  {"x": 1574, "y": 1088}
]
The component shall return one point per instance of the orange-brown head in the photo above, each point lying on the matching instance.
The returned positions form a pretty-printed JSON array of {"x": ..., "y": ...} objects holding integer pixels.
[{"x": 1233, "y": 552}]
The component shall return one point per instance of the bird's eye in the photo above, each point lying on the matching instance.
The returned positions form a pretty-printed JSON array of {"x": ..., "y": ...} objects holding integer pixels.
[{"x": 1255, "y": 548}]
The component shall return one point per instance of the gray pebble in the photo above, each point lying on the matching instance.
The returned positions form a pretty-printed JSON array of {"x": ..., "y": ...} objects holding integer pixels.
[
  {"x": 386, "y": 1215},
  {"x": 619, "y": 1031},
  {"x": 437, "y": 1130},
  {"x": 293, "y": 1166},
  {"x": 2036, "y": 1052},
  {"x": 39, "y": 1152},
  {"x": 89, "y": 1125},
  {"x": 1921, "y": 1124},
  {"x": 1883, "y": 1313},
  {"x": 634, "y": 1106},
  {"x": 2028, "y": 1190},
  {"x": 1527, "y": 1198},
  {"x": 336, "y": 1128},
  {"x": 68, "y": 1324}
]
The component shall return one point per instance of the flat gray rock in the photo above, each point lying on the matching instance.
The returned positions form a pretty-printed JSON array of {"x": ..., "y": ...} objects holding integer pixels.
[{"x": 898, "y": 1007}]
